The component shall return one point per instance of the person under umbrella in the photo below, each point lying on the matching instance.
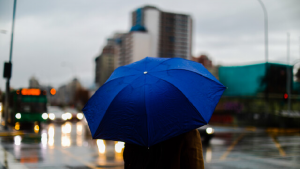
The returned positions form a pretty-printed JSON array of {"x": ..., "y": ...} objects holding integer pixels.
[
  {"x": 180, "y": 152},
  {"x": 151, "y": 102}
]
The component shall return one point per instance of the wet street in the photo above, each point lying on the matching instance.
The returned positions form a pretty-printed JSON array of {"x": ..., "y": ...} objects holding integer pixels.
[{"x": 70, "y": 146}]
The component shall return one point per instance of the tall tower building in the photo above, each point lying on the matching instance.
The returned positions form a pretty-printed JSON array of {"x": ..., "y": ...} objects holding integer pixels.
[
  {"x": 153, "y": 33},
  {"x": 170, "y": 33}
]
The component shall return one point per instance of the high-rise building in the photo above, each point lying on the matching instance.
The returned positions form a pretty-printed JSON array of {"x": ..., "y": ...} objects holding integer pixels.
[
  {"x": 153, "y": 33},
  {"x": 170, "y": 33},
  {"x": 105, "y": 63}
]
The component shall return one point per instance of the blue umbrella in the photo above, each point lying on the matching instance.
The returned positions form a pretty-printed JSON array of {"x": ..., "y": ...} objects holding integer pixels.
[{"x": 152, "y": 100}]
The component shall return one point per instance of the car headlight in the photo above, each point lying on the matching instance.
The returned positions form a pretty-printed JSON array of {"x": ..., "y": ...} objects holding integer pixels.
[
  {"x": 64, "y": 117},
  {"x": 68, "y": 115},
  {"x": 209, "y": 130},
  {"x": 80, "y": 116},
  {"x": 18, "y": 115},
  {"x": 51, "y": 116},
  {"x": 44, "y": 116}
]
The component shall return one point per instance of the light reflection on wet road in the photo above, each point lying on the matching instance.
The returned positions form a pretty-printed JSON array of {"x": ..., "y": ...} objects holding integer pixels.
[{"x": 69, "y": 145}]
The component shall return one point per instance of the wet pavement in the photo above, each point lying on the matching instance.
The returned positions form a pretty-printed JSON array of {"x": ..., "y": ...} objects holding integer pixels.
[{"x": 70, "y": 146}]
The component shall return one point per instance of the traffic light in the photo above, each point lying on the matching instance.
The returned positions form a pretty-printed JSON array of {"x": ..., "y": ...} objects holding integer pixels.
[
  {"x": 7, "y": 70},
  {"x": 285, "y": 97},
  {"x": 52, "y": 91}
]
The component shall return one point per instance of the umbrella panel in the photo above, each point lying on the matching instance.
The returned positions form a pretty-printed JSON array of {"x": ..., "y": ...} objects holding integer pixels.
[{"x": 148, "y": 111}]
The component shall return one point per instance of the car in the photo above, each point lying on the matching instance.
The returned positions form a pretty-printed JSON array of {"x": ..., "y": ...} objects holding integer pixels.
[
  {"x": 207, "y": 133},
  {"x": 73, "y": 114},
  {"x": 55, "y": 114}
]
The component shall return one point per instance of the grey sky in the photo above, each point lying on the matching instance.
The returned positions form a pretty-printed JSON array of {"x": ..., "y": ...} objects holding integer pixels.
[{"x": 56, "y": 40}]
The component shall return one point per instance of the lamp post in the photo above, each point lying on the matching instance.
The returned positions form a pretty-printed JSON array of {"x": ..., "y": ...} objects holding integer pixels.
[
  {"x": 266, "y": 51},
  {"x": 9, "y": 63},
  {"x": 266, "y": 30},
  {"x": 288, "y": 83}
]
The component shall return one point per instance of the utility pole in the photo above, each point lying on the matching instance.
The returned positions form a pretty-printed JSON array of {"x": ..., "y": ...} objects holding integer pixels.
[
  {"x": 266, "y": 30},
  {"x": 288, "y": 83},
  {"x": 8, "y": 67},
  {"x": 268, "y": 75}
]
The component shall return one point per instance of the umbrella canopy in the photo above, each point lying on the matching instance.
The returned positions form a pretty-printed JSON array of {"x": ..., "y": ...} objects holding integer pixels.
[{"x": 152, "y": 100}]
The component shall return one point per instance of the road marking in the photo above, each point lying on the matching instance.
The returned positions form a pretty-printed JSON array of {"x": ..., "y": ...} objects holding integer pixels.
[
  {"x": 223, "y": 157},
  {"x": 277, "y": 144},
  {"x": 77, "y": 158}
]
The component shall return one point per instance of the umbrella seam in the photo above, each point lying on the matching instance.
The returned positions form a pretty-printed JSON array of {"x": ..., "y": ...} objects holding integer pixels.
[
  {"x": 183, "y": 95},
  {"x": 131, "y": 68},
  {"x": 160, "y": 63},
  {"x": 192, "y": 72},
  {"x": 146, "y": 111},
  {"x": 120, "y": 77},
  {"x": 96, "y": 133},
  {"x": 96, "y": 105}
]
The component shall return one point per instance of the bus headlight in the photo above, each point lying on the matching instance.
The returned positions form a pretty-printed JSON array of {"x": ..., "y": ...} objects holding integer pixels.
[
  {"x": 209, "y": 130},
  {"x": 51, "y": 116},
  {"x": 80, "y": 116},
  {"x": 18, "y": 115},
  {"x": 44, "y": 116}
]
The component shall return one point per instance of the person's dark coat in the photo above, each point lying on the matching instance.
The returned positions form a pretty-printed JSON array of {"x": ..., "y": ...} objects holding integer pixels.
[{"x": 180, "y": 152}]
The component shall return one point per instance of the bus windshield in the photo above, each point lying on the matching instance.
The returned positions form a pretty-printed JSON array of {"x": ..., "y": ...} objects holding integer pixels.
[{"x": 31, "y": 107}]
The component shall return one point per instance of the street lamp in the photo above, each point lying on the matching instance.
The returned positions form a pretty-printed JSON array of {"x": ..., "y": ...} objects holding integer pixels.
[
  {"x": 266, "y": 51},
  {"x": 9, "y": 65},
  {"x": 288, "y": 84},
  {"x": 266, "y": 30}
]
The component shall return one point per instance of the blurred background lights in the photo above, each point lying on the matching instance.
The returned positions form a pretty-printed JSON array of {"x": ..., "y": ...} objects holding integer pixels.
[
  {"x": 80, "y": 116},
  {"x": 17, "y": 140},
  {"x": 36, "y": 128},
  {"x": 209, "y": 130},
  {"x": 51, "y": 116},
  {"x": 44, "y": 116},
  {"x": 64, "y": 116},
  {"x": 119, "y": 146},
  {"x": 79, "y": 128},
  {"x": 18, "y": 115},
  {"x": 52, "y": 91},
  {"x": 101, "y": 146},
  {"x": 17, "y": 126},
  {"x": 66, "y": 128},
  {"x": 44, "y": 138},
  {"x": 68, "y": 115}
]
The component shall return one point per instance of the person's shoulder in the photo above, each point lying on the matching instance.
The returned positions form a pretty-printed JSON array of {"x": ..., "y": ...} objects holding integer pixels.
[{"x": 193, "y": 134}]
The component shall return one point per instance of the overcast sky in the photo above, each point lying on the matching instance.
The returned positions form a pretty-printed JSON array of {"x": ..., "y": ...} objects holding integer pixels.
[{"x": 55, "y": 40}]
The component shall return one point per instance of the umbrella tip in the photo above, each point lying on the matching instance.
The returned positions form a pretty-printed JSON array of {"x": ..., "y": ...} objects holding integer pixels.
[{"x": 145, "y": 72}]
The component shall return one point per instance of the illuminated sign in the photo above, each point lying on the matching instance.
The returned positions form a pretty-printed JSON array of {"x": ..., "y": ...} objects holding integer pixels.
[{"x": 34, "y": 92}]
